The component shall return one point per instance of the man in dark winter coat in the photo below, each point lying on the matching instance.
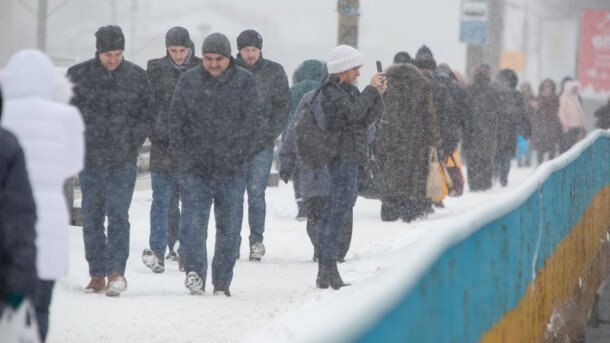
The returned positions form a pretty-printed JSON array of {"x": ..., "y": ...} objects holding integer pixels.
[
  {"x": 348, "y": 114},
  {"x": 307, "y": 77},
  {"x": 272, "y": 82},
  {"x": 116, "y": 101},
  {"x": 214, "y": 117},
  {"x": 512, "y": 121},
  {"x": 163, "y": 74},
  {"x": 403, "y": 142},
  {"x": 481, "y": 129},
  {"x": 17, "y": 225}
]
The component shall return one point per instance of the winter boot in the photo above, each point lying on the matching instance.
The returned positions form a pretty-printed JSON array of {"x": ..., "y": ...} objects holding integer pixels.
[
  {"x": 153, "y": 260},
  {"x": 257, "y": 251},
  {"x": 322, "y": 278},
  {"x": 117, "y": 284},
  {"x": 333, "y": 277},
  {"x": 302, "y": 215},
  {"x": 96, "y": 285},
  {"x": 194, "y": 283},
  {"x": 172, "y": 256},
  {"x": 389, "y": 210},
  {"x": 218, "y": 290},
  {"x": 181, "y": 263}
]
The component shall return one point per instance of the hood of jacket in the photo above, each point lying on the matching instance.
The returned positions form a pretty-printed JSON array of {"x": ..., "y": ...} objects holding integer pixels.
[
  {"x": 309, "y": 70},
  {"x": 29, "y": 73}
]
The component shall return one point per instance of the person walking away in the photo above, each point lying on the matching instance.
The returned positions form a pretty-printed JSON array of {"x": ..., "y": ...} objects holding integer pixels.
[
  {"x": 18, "y": 279},
  {"x": 272, "y": 82},
  {"x": 215, "y": 115},
  {"x": 571, "y": 115},
  {"x": 116, "y": 101},
  {"x": 403, "y": 142},
  {"x": 603, "y": 116},
  {"x": 51, "y": 132},
  {"x": 163, "y": 74},
  {"x": 512, "y": 121},
  {"x": 546, "y": 128},
  {"x": 306, "y": 77},
  {"x": 348, "y": 113},
  {"x": 481, "y": 129}
]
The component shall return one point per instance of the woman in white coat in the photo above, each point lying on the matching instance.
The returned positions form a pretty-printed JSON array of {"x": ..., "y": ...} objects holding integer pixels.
[{"x": 51, "y": 133}]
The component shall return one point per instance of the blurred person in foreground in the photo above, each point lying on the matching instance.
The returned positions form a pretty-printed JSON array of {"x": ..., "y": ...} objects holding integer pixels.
[{"x": 51, "y": 132}]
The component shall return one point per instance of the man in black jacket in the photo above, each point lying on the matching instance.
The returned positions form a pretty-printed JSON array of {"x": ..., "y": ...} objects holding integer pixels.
[
  {"x": 214, "y": 118},
  {"x": 116, "y": 101},
  {"x": 163, "y": 74},
  {"x": 272, "y": 82},
  {"x": 17, "y": 225}
]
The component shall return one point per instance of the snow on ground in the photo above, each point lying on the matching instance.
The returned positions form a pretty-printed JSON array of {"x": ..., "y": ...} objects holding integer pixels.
[{"x": 267, "y": 297}]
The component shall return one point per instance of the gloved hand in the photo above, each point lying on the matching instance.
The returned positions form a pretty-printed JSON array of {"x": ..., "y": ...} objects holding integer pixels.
[
  {"x": 285, "y": 174},
  {"x": 14, "y": 300}
]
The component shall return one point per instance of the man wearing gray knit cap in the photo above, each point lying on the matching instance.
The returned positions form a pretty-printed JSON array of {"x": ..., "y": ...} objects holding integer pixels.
[{"x": 213, "y": 118}]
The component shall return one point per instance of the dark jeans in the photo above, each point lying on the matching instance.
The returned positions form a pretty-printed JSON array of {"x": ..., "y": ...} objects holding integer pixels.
[
  {"x": 42, "y": 302},
  {"x": 315, "y": 207},
  {"x": 480, "y": 171},
  {"x": 296, "y": 185},
  {"x": 259, "y": 168},
  {"x": 107, "y": 192},
  {"x": 570, "y": 138},
  {"x": 502, "y": 168},
  {"x": 336, "y": 212},
  {"x": 164, "y": 212},
  {"x": 198, "y": 193}
]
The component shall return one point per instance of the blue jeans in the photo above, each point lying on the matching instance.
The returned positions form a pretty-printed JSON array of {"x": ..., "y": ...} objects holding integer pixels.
[
  {"x": 259, "y": 168},
  {"x": 107, "y": 192},
  {"x": 42, "y": 302},
  {"x": 166, "y": 194},
  {"x": 337, "y": 209},
  {"x": 198, "y": 193}
]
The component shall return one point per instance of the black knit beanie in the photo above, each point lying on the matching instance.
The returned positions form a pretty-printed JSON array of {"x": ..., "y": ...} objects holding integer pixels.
[
  {"x": 249, "y": 38},
  {"x": 178, "y": 36},
  {"x": 216, "y": 43},
  {"x": 109, "y": 38},
  {"x": 424, "y": 59}
]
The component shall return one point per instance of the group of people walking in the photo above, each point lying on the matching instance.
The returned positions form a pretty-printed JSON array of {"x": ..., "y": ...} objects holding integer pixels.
[{"x": 213, "y": 123}]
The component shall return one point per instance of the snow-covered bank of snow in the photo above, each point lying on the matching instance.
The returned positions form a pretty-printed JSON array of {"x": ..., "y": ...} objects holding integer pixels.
[{"x": 270, "y": 299}]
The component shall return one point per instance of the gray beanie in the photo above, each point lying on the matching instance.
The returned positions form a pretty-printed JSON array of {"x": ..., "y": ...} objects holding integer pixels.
[{"x": 216, "y": 43}]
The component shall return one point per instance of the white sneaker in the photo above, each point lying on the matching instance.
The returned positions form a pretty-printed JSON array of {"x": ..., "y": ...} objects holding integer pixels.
[
  {"x": 194, "y": 283},
  {"x": 257, "y": 251},
  {"x": 153, "y": 261}
]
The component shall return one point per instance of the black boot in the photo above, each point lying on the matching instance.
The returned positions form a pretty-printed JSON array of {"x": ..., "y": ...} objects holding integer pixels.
[
  {"x": 322, "y": 278},
  {"x": 332, "y": 275}
]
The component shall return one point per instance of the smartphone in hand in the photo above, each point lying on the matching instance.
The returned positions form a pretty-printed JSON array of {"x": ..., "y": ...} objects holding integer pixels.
[{"x": 379, "y": 68}]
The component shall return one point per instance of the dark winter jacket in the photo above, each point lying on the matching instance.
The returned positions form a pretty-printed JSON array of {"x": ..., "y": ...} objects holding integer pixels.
[
  {"x": 163, "y": 74},
  {"x": 213, "y": 122},
  {"x": 403, "y": 138},
  {"x": 452, "y": 122},
  {"x": 603, "y": 117},
  {"x": 348, "y": 113},
  {"x": 307, "y": 77},
  {"x": 512, "y": 119},
  {"x": 312, "y": 182},
  {"x": 546, "y": 128},
  {"x": 481, "y": 121},
  {"x": 272, "y": 82},
  {"x": 443, "y": 108},
  {"x": 117, "y": 108},
  {"x": 17, "y": 222}
]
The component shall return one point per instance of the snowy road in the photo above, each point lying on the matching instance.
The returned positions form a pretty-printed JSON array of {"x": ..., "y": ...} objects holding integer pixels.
[{"x": 265, "y": 296}]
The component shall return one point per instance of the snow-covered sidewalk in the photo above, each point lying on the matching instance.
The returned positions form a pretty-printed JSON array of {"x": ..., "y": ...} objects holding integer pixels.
[{"x": 266, "y": 296}]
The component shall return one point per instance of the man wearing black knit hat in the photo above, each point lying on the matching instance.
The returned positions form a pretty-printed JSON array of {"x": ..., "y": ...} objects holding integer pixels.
[
  {"x": 116, "y": 101},
  {"x": 213, "y": 119},
  {"x": 273, "y": 85},
  {"x": 163, "y": 74}
]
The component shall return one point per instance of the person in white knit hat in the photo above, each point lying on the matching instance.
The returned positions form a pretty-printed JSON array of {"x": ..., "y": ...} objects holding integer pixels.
[{"x": 348, "y": 112}]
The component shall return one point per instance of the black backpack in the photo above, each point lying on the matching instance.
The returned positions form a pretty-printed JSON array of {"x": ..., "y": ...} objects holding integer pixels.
[{"x": 314, "y": 146}]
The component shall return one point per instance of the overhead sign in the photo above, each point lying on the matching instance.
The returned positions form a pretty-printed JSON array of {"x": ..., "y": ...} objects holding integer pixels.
[
  {"x": 473, "y": 22},
  {"x": 594, "y": 52}
]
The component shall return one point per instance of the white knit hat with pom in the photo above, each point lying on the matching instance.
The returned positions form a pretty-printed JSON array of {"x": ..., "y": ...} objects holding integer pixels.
[{"x": 343, "y": 58}]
